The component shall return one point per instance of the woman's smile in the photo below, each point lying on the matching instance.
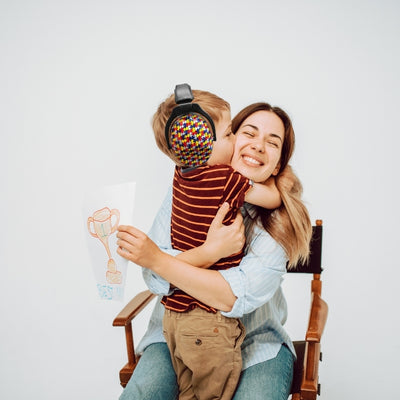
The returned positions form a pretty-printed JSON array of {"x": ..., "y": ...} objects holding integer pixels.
[{"x": 251, "y": 161}]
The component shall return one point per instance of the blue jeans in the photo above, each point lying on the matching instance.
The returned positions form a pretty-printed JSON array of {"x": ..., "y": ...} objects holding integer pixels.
[{"x": 154, "y": 377}]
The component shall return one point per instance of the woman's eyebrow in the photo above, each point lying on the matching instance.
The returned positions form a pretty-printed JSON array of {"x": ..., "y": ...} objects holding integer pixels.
[{"x": 251, "y": 126}]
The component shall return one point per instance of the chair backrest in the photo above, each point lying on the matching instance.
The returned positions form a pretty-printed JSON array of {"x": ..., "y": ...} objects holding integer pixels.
[
  {"x": 305, "y": 376},
  {"x": 313, "y": 265}
]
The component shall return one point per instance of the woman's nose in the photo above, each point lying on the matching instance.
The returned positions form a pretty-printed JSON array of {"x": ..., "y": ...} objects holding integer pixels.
[{"x": 258, "y": 146}]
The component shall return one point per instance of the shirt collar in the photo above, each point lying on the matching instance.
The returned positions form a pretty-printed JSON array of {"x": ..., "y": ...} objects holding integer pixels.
[{"x": 250, "y": 210}]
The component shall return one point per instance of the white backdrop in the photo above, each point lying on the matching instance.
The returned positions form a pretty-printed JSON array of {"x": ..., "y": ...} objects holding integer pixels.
[{"x": 79, "y": 82}]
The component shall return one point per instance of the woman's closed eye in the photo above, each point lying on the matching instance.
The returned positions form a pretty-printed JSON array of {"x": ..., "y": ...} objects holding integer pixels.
[{"x": 273, "y": 144}]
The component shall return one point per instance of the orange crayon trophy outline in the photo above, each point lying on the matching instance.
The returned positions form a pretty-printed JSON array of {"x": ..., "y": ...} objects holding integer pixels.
[{"x": 103, "y": 228}]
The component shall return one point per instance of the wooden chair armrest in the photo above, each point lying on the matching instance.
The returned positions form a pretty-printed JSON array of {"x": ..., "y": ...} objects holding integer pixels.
[
  {"x": 309, "y": 384},
  {"x": 317, "y": 320},
  {"x": 124, "y": 318},
  {"x": 133, "y": 308},
  {"x": 312, "y": 355}
]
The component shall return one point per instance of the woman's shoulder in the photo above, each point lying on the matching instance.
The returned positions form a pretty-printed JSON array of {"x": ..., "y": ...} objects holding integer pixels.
[{"x": 260, "y": 241}]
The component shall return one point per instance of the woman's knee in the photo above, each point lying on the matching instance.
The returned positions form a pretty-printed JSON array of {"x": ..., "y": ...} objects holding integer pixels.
[
  {"x": 154, "y": 377},
  {"x": 269, "y": 380}
]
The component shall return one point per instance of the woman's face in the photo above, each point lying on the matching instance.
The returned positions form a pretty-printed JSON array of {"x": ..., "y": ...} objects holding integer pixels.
[{"x": 258, "y": 146}]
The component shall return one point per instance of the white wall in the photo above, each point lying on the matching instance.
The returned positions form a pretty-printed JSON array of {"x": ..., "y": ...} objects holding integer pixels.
[{"x": 79, "y": 83}]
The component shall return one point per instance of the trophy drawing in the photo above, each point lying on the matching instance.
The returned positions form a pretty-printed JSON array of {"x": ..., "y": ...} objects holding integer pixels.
[{"x": 103, "y": 227}]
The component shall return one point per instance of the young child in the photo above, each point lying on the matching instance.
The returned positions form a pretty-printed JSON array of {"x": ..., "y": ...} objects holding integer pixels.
[{"x": 204, "y": 345}]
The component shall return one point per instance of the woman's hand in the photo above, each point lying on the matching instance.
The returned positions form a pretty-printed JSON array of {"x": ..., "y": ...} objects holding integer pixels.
[
  {"x": 136, "y": 246},
  {"x": 225, "y": 240},
  {"x": 206, "y": 285}
]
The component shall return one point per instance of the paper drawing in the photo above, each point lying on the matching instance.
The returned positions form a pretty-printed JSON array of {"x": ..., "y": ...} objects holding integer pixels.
[
  {"x": 104, "y": 210},
  {"x": 103, "y": 227}
]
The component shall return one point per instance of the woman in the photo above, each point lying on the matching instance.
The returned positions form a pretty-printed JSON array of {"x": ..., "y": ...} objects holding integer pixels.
[{"x": 251, "y": 291}]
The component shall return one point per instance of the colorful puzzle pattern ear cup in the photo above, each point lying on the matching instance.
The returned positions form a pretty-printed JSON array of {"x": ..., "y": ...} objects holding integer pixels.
[{"x": 191, "y": 140}]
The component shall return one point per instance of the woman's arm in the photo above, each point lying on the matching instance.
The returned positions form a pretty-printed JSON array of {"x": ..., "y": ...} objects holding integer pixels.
[
  {"x": 253, "y": 282},
  {"x": 241, "y": 290},
  {"x": 259, "y": 276},
  {"x": 222, "y": 242},
  {"x": 205, "y": 285},
  {"x": 237, "y": 291}
]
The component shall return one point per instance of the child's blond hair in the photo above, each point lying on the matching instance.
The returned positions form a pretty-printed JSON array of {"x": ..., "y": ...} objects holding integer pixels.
[{"x": 213, "y": 105}]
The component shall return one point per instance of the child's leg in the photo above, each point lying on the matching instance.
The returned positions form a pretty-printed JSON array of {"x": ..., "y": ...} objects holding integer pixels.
[
  {"x": 184, "y": 375},
  {"x": 209, "y": 347}
]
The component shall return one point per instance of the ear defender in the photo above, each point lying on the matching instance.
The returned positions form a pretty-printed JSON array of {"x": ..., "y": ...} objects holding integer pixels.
[{"x": 190, "y": 131}]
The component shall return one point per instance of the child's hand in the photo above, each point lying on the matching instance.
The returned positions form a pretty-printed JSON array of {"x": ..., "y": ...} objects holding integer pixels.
[{"x": 136, "y": 246}]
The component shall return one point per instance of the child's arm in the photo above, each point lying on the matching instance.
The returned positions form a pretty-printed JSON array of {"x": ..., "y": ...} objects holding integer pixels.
[{"x": 265, "y": 195}]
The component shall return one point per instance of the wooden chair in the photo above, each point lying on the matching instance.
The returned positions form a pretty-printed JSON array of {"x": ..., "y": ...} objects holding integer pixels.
[{"x": 305, "y": 379}]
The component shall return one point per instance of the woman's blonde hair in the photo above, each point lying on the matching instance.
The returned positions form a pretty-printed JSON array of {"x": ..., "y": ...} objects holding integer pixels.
[
  {"x": 213, "y": 105},
  {"x": 289, "y": 224}
]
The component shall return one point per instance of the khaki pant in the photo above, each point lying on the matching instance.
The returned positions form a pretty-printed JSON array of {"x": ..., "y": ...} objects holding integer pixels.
[{"x": 205, "y": 352}]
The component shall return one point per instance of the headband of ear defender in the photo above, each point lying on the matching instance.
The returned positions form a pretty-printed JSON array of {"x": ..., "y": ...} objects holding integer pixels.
[{"x": 189, "y": 131}]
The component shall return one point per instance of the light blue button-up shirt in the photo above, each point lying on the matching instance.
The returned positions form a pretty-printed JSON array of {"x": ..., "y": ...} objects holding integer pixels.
[{"x": 256, "y": 283}]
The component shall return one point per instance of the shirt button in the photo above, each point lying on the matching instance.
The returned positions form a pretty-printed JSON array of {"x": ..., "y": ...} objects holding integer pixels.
[{"x": 198, "y": 342}]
